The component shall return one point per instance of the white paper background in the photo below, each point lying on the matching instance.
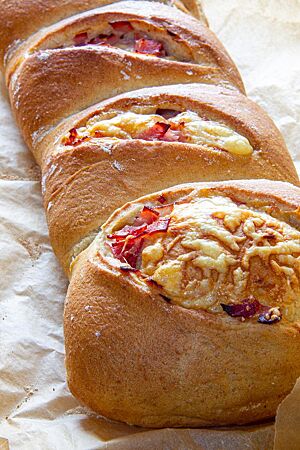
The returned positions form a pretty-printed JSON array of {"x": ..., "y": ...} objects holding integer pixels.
[{"x": 37, "y": 411}]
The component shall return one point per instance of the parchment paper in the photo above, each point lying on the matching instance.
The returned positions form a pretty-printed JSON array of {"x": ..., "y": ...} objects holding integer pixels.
[{"x": 36, "y": 409}]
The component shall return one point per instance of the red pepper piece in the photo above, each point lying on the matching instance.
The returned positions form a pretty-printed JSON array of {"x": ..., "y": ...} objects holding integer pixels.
[
  {"x": 73, "y": 138},
  {"x": 161, "y": 199},
  {"x": 156, "y": 132},
  {"x": 247, "y": 308},
  {"x": 80, "y": 39},
  {"x": 128, "y": 230},
  {"x": 149, "y": 47},
  {"x": 122, "y": 27}
]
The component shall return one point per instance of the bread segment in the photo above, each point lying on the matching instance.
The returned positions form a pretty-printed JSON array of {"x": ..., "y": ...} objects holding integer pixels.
[
  {"x": 67, "y": 79},
  {"x": 175, "y": 366},
  {"x": 20, "y": 19},
  {"x": 107, "y": 172}
]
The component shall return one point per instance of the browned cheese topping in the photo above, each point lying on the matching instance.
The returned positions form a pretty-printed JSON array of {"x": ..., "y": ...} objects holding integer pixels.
[{"x": 214, "y": 252}]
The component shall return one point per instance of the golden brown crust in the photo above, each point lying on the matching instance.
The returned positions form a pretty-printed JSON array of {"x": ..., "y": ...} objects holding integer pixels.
[
  {"x": 133, "y": 357},
  {"x": 20, "y": 19},
  {"x": 63, "y": 85},
  {"x": 107, "y": 176},
  {"x": 203, "y": 45}
]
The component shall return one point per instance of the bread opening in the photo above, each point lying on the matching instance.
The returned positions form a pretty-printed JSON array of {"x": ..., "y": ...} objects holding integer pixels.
[
  {"x": 162, "y": 124},
  {"x": 209, "y": 253}
]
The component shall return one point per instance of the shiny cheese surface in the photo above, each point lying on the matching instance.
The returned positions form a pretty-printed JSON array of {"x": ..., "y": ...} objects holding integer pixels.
[
  {"x": 128, "y": 125},
  {"x": 216, "y": 251}
]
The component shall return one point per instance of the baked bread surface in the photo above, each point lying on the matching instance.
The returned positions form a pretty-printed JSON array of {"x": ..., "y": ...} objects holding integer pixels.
[
  {"x": 175, "y": 365},
  {"x": 108, "y": 172},
  {"x": 22, "y": 18},
  {"x": 67, "y": 79},
  {"x": 183, "y": 305}
]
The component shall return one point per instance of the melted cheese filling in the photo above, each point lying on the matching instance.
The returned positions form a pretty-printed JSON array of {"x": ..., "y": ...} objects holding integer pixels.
[
  {"x": 129, "y": 125},
  {"x": 218, "y": 252}
]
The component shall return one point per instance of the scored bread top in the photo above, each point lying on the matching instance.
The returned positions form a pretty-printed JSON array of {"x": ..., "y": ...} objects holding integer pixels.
[
  {"x": 229, "y": 138},
  {"x": 215, "y": 117},
  {"x": 204, "y": 245},
  {"x": 152, "y": 49},
  {"x": 175, "y": 365},
  {"x": 20, "y": 19}
]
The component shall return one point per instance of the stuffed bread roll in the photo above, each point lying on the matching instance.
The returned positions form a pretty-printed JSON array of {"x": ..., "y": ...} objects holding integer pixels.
[
  {"x": 148, "y": 140},
  {"x": 20, "y": 19},
  {"x": 107, "y": 51},
  {"x": 184, "y": 311}
]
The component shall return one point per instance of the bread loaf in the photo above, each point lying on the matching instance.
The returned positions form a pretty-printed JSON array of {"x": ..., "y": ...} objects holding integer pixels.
[{"x": 172, "y": 204}]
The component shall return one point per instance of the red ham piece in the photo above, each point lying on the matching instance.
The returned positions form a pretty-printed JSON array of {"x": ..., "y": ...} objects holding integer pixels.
[
  {"x": 156, "y": 132},
  {"x": 161, "y": 131},
  {"x": 148, "y": 215},
  {"x": 128, "y": 252},
  {"x": 173, "y": 136},
  {"x": 80, "y": 39},
  {"x": 111, "y": 39},
  {"x": 161, "y": 225},
  {"x": 122, "y": 27},
  {"x": 128, "y": 241},
  {"x": 149, "y": 47},
  {"x": 128, "y": 230},
  {"x": 165, "y": 209}
]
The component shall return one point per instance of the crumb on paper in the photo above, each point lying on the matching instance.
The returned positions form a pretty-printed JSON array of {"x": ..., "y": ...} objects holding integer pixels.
[{"x": 33, "y": 248}]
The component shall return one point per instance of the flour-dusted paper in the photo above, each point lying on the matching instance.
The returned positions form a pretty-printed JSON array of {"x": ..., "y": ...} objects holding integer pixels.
[{"x": 36, "y": 409}]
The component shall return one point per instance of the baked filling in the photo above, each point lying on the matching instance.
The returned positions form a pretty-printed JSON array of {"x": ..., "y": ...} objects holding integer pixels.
[
  {"x": 212, "y": 254},
  {"x": 124, "y": 36},
  {"x": 163, "y": 125},
  {"x": 134, "y": 36}
]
